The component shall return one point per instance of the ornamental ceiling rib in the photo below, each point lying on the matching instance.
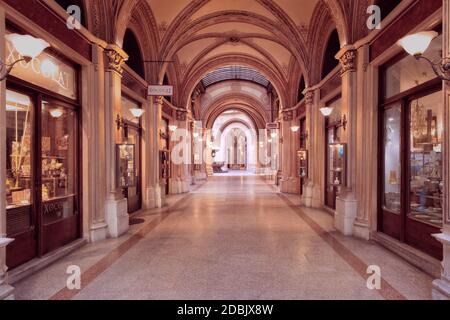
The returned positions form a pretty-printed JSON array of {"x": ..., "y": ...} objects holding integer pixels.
[{"x": 235, "y": 73}]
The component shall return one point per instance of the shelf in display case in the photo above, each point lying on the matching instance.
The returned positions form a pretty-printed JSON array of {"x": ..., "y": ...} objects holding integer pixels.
[{"x": 337, "y": 163}]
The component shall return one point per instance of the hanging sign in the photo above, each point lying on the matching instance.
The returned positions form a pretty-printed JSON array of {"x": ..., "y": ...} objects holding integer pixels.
[
  {"x": 165, "y": 91},
  {"x": 272, "y": 126}
]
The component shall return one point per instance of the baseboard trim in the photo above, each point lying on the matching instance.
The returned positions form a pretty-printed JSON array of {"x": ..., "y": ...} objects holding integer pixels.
[
  {"x": 31, "y": 267},
  {"x": 416, "y": 257}
]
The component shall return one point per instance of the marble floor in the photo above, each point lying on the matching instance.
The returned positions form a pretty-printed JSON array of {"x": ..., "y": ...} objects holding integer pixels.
[{"x": 230, "y": 238}]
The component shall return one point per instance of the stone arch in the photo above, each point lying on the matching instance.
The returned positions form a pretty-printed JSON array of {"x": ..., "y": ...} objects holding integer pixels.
[
  {"x": 220, "y": 61},
  {"x": 219, "y": 107}
]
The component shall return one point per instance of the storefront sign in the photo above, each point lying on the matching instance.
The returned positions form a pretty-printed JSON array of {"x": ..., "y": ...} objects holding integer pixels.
[
  {"x": 46, "y": 71},
  {"x": 272, "y": 126},
  {"x": 166, "y": 91}
]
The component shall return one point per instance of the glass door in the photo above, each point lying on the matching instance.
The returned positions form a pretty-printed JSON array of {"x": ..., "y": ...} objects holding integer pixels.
[
  {"x": 20, "y": 185},
  {"x": 424, "y": 209},
  {"x": 58, "y": 183},
  {"x": 392, "y": 173}
]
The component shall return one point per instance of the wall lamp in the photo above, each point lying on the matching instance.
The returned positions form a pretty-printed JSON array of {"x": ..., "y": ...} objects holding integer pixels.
[
  {"x": 28, "y": 48},
  {"x": 136, "y": 112},
  {"x": 295, "y": 129},
  {"x": 342, "y": 122},
  {"x": 416, "y": 45}
]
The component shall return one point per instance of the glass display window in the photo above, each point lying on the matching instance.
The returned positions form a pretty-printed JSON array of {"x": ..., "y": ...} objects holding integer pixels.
[
  {"x": 426, "y": 182},
  {"x": 59, "y": 161},
  {"x": 392, "y": 159},
  {"x": 19, "y": 161},
  {"x": 410, "y": 145}
]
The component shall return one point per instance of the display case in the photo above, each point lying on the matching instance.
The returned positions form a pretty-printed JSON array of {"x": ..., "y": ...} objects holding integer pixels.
[
  {"x": 337, "y": 164},
  {"x": 302, "y": 156},
  {"x": 426, "y": 187},
  {"x": 126, "y": 165}
]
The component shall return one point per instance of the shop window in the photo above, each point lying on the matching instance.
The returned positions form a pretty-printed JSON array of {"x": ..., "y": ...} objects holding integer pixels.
[
  {"x": 59, "y": 160},
  {"x": 329, "y": 60},
  {"x": 426, "y": 184},
  {"x": 19, "y": 165},
  {"x": 335, "y": 162},
  {"x": 410, "y": 72},
  {"x": 392, "y": 160},
  {"x": 411, "y": 182},
  {"x": 132, "y": 48}
]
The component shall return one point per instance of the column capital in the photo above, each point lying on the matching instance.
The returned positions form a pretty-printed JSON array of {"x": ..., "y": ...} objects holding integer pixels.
[
  {"x": 347, "y": 59},
  {"x": 116, "y": 58},
  {"x": 181, "y": 115},
  {"x": 309, "y": 96},
  {"x": 288, "y": 115}
]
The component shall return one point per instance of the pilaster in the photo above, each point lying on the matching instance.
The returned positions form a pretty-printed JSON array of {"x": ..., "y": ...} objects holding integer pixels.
[
  {"x": 290, "y": 181},
  {"x": 116, "y": 205},
  {"x": 346, "y": 202},
  {"x": 441, "y": 287}
]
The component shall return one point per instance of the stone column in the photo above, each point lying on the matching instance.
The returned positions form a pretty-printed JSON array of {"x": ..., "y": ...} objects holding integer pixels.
[
  {"x": 316, "y": 145},
  {"x": 116, "y": 205},
  {"x": 290, "y": 181},
  {"x": 366, "y": 147},
  {"x": 309, "y": 183},
  {"x": 441, "y": 287},
  {"x": 150, "y": 162},
  {"x": 6, "y": 291},
  {"x": 180, "y": 155},
  {"x": 94, "y": 136},
  {"x": 346, "y": 203},
  {"x": 160, "y": 185}
]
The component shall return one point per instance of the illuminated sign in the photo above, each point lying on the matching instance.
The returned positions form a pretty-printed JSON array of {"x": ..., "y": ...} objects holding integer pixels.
[{"x": 46, "y": 71}]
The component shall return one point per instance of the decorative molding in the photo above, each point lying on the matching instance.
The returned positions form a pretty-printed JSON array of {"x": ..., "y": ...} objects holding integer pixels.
[
  {"x": 288, "y": 115},
  {"x": 309, "y": 97},
  {"x": 181, "y": 115},
  {"x": 116, "y": 61},
  {"x": 348, "y": 61}
]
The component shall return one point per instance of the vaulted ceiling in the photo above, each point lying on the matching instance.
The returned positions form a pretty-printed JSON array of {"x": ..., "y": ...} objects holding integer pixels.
[{"x": 281, "y": 39}]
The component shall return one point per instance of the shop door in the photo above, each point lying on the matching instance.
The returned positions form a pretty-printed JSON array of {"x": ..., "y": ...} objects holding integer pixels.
[
  {"x": 21, "y": 204},
  {"x": 412, "y": 185},
  {"x": 424, "y": 186},
  {"x": 133, "y": 191},
  {"x": 57, "y": 181}
]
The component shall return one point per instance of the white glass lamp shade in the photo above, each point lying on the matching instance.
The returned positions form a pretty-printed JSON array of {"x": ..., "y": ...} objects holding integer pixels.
[
  {"x": 56, "y": 113},
  {"x": 295, "y": 128},
  {"x": 326, "y": 111},
  {"x": 274, "y": 134},
  {"x": 416, "y": 44},
  {"x": 137, "y": 112},
  {"x": 173, "y": 128},
  {"x": 26, "y": 45}
]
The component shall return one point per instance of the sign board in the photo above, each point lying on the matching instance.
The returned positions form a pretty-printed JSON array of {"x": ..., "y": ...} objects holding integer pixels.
[
  {"x": 165, "y": 91},
  {"x": 272, "y": 126},
  {"x": 46, "y": 71}
]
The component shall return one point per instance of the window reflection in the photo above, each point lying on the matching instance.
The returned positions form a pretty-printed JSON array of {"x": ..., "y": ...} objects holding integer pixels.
[
  {"x": 392, "y": 159},
  {"x": 426, "y": 186}
]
